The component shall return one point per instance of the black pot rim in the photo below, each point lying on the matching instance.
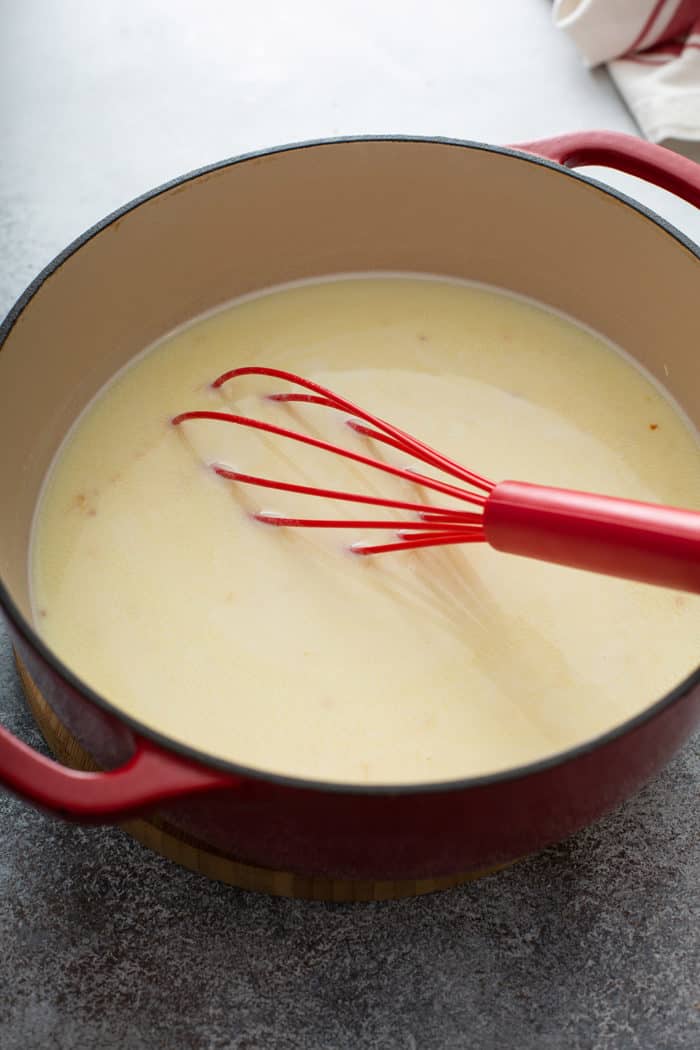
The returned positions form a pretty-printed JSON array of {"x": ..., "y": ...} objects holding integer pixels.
[{"x": 31, "y": 637}]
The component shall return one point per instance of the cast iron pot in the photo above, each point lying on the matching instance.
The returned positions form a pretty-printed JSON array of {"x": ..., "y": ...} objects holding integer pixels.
[{"x": 502, "y": 216}]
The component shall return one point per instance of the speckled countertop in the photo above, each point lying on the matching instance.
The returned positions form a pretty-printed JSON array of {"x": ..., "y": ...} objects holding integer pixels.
[{"x": 594, "y": 943}]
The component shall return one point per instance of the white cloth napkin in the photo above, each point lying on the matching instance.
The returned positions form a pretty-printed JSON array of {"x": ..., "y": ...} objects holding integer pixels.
[{"x": 652, "y": 50}]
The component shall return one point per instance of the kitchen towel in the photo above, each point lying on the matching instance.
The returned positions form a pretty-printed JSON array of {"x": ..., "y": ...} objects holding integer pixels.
[{"x": 652, "y": 50}]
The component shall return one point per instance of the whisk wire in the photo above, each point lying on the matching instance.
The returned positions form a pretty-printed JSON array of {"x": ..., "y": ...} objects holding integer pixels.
[
  {"x": 433, "y": 526},
  {"x": 327, "y": 397}
]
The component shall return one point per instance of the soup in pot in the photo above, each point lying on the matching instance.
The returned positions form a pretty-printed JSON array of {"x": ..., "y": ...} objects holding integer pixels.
[{"x": 279, "y": 649}]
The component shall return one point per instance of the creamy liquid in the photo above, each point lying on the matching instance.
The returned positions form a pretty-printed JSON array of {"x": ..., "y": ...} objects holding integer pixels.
[{"x": 280, "y": 650}]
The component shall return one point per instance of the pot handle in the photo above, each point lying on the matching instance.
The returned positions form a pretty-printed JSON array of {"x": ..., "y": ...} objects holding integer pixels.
[
  {"x": 150, "y": 776},
  {"x": 612, "y": 149}
]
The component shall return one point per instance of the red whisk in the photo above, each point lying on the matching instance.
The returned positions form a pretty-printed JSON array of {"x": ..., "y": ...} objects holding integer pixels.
[{"x": 615, "y": 537}]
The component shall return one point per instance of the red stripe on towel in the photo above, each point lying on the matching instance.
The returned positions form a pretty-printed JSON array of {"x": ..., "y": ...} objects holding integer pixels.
[
  {"x": 685, "y": 20},
  {"x": 649, "y": 24}
]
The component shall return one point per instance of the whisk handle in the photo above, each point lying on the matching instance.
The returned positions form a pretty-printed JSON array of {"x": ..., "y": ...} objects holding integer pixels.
[{"x": 615, "y": 537}]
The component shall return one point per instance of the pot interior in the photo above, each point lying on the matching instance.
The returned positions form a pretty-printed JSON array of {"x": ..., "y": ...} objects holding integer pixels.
[{"x": 415, "y": 206}]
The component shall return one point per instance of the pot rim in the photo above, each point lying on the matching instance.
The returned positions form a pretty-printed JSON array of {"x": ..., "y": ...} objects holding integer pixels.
[{"x": 33, "y": 639}]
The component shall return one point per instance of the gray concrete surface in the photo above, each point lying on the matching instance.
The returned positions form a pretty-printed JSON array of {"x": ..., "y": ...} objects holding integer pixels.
[{"x": 593, "y": 945}]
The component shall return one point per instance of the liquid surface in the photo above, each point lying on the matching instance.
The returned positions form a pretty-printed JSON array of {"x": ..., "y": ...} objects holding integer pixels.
[{"x": 279, "y": 650}]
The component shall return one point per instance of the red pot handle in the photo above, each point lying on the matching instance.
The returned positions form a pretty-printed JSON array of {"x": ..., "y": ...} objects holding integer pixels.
[
  {"x": 612, "y": 149},
  {"x": 151, "y": 776}
]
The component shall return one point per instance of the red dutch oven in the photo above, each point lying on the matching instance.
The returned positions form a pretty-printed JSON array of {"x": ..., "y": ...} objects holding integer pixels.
[{"x": 515, "y": 218}]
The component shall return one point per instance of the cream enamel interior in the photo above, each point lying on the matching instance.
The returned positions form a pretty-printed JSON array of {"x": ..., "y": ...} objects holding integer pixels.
[
  {"x": 278, "y": 649},
  {"x": 411, "y": 206}
]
